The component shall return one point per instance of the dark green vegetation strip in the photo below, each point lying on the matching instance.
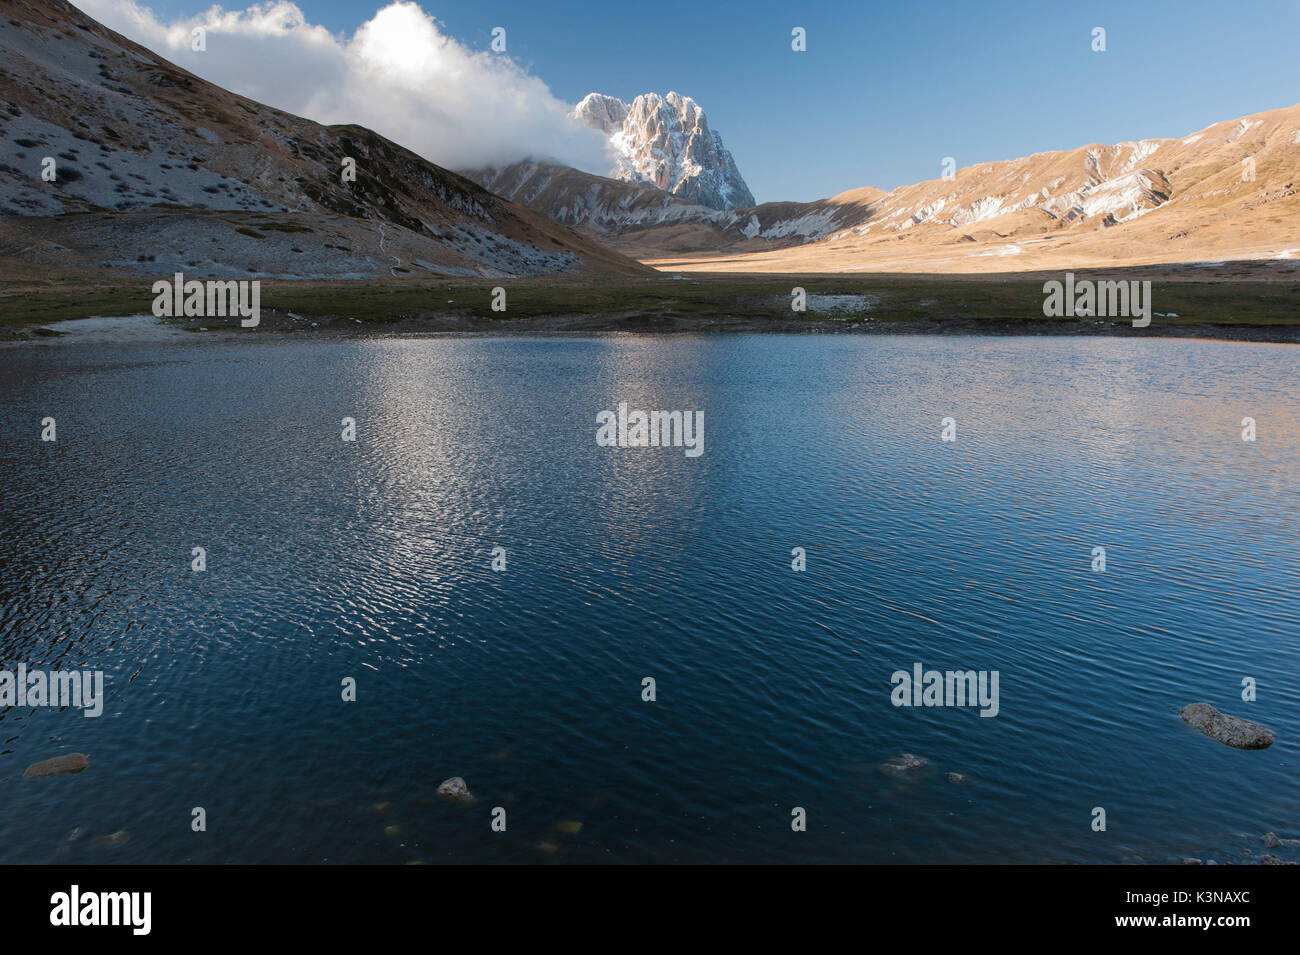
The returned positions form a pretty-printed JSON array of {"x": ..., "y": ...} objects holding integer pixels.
[{"x": 895, "y": 299}]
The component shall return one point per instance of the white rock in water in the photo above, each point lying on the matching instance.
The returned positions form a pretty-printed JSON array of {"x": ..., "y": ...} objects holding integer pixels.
[{"x": 455, "y": 788}]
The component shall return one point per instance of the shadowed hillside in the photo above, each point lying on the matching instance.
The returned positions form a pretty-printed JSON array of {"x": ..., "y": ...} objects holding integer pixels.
[{"x": 157, "y": 170}]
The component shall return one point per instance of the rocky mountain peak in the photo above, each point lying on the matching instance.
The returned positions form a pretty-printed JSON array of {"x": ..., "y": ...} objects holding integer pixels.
[
  {"x": 602, "y": 112},
  {"x": 666, "y": 141}
]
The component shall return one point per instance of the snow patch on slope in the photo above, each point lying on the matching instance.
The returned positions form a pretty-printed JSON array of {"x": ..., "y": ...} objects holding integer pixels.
[{"x": 1243, "y": 127}]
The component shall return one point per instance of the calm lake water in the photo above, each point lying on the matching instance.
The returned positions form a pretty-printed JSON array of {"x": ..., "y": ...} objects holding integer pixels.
[{"x": 371, "y": 560}]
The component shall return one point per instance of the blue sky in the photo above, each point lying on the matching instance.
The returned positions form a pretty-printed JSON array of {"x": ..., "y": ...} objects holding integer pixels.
[{"x": 886, "y": 90}]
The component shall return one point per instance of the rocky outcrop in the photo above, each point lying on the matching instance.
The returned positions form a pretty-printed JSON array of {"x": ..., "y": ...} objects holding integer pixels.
[
  {"x": 606, "y": 113},
  {"x": 666, "y": 141},
  {"x": 1230, "y": 730}
]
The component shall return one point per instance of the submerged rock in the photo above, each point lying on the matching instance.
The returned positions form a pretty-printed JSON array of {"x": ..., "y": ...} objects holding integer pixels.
[
  {"x": 1271, "y": 840},
  {"x": 112, "y": 840},
  {"x": 902, "y": 765},
  {"x": 956, "y": 778},
  {"x": 1229, "y": 730},
  {"x": 456, "y": 788},
  {"x": 570, "y": 826},
  {"x": 58, "y": 766}
]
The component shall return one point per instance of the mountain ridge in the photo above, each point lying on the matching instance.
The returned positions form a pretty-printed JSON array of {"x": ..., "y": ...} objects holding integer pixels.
[
  {"x": 157, "y": 170},
  {"x": 1134, "y": 202}
]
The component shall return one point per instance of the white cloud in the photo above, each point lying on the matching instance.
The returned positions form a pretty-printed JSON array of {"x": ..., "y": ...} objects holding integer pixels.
[{"x": 399, "y": 75}]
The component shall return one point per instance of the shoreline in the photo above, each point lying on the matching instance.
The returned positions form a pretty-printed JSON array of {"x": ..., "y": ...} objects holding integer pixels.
[
  {"x": 279, "y": 326},
  {"x": 84, "y": 308}
]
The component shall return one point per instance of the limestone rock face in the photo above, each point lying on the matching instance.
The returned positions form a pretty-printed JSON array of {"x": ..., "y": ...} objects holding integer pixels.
[
  {"x": 1230, "y": 730},
  {"x": 666, "y": 141},
  {"x": 602, "y": 112}
]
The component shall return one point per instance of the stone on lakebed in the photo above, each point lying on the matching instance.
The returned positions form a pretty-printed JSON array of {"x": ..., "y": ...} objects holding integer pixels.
[
  {"x": 1271, "y": 840},
  {"x": 58, "y": 766},
  {"x": 1230, "y": 730},
  {"x": 902, "y": 765}
]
